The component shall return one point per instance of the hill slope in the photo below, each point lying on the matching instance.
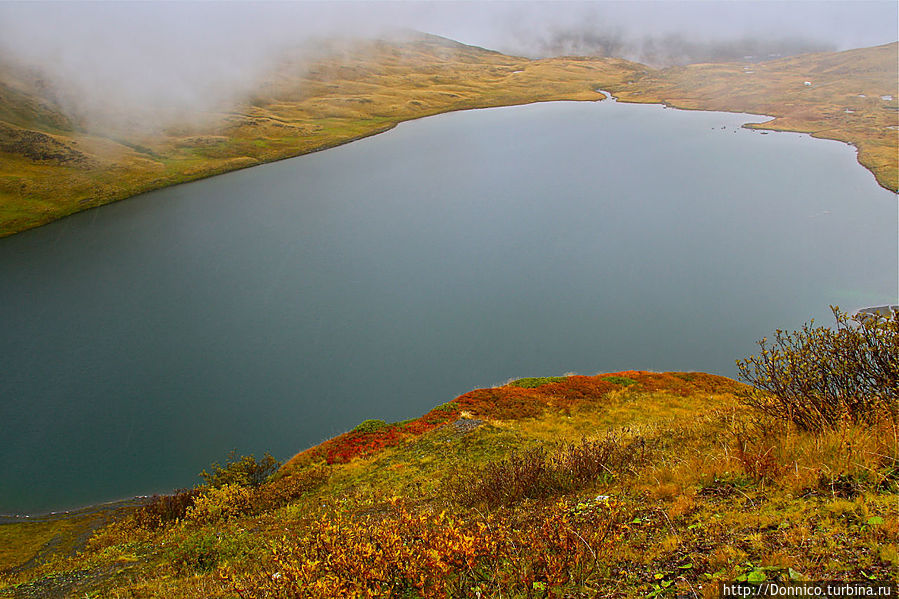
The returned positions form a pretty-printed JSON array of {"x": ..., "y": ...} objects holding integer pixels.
[
  {"x": 52, "y": 164},
  {"x": 623, "y": 485},
  {"x": 851, "y": 97}
]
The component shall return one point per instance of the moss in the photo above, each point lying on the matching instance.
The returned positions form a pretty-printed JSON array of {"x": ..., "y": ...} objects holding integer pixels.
[
  {"x": 370, "y": 426},
  {"x": 621, "y": 380},
  {"x": 534, "y": 382}
]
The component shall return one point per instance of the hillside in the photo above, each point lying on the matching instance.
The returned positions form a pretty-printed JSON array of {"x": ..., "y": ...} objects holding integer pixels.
[
  {"x": 851, "y": 97},
  {"x": 630, "y": 484},
  {"x": 53, "y": 164}
]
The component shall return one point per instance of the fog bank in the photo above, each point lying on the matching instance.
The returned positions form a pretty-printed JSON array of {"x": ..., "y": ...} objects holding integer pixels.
[{"x": 155, "y": 61}]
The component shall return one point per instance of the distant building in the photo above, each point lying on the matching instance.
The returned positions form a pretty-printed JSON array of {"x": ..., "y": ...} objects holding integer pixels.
[
  {"x": 808, "y": 84},
  {"x": 878, "y": 311}
]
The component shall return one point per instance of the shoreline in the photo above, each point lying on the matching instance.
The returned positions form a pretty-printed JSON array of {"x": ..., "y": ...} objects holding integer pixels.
[
  {"x": 250, "y": 162},
  {"x": 253, "y": 135},
  {"x": 85, "y": 510},
  {"x": 760, "y": 127},
  {"x": 604, "y": 94}
]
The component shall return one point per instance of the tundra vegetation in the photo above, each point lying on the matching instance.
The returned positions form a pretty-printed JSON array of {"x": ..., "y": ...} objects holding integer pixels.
[
  {"x": 630, "y": 484},
  {"x": 53, "y": 163}
]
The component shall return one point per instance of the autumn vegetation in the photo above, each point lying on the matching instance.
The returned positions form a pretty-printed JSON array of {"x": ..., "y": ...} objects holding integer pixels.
[
  {"x": 630, "y": 484},
  {"x": 822, "y": 377}
]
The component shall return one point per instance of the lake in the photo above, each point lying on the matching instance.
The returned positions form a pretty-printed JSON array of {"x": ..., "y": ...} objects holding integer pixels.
[{"x": 272, "y": 308}]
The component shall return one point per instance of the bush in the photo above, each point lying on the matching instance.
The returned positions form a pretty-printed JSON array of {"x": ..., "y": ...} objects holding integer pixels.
[
  {"x": 202, "y": 551},
  {"x": 244, "y": 471},
  {"x": 369, "y": 426},
  {"x": 536, "y": 474},
  {"x": 164, "y": 509},
  {"x": 409, "y": 552},
  {"x": 450, "y": 406},
  {"x": 819, "y": 377},
  {"x": 620, "y": 380},
  {"x": 221, "y": 503},
  {"x": 534, "y": 382}
]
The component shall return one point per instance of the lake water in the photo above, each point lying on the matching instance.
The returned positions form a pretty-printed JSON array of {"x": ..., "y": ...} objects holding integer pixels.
[{"x": 271, "y": 308}]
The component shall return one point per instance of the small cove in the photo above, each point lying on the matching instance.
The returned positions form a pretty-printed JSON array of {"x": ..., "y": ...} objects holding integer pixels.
[{"x": 271, "y": 308}]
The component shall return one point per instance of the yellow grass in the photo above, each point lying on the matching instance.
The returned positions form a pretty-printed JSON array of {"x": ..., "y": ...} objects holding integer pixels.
[
  {"x": 303, "y": 106},
  {"x": 778, "y": 88},
  {"x": 716, "y": 493},
  {"x": 47, "y": 170}
]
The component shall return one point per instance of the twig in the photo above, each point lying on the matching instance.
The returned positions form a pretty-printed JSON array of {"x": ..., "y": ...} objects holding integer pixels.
[{"x": 584, "y": 542}]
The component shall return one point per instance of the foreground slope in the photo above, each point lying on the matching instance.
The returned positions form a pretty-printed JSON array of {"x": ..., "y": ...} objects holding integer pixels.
[{"x": 630, "y": 484}]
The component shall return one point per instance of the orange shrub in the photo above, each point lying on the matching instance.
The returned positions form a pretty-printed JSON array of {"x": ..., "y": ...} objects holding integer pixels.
[{"x": 434, "y": 555}]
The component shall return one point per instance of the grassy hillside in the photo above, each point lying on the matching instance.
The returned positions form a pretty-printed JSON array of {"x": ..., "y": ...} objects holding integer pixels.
[
  {"x": 623, "y": 485},
  {"x": 52, "y": 164},
  {"x": 853, "y": 97}
]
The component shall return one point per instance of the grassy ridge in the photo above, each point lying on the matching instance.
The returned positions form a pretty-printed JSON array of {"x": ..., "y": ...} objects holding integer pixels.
[
  {"x": 50, "y": 166},
  {"x": 676, "y": 487}
]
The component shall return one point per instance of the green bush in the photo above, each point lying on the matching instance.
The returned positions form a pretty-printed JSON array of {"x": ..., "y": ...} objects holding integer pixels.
[
  {"x": 819, "y": 377},
  {"x": 620, "y": 380},
  {"x": 222, "y": 503},
  {"x": 369, "y": 426},
  {"x": 450, "y": 406},
  {"x": 532, "y": 382},
  {"x": 244, "y": 471}
]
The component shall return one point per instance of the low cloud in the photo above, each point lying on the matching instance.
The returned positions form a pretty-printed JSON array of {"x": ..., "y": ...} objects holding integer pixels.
[{"x": 150, "y": 63}]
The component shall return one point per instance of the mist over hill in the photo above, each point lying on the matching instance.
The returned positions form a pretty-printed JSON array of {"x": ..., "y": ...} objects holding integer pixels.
[
  {"x": 101, "y": 101},
  {"x": 155, "y": 62}
]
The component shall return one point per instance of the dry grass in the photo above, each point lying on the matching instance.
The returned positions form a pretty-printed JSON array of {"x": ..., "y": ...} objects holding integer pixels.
[
  {"x": 832, "y": 107},
  {"x": 368, "y": 88},
  {"x": 719, "y": 493},
  {"x": 302, "y": 106}
]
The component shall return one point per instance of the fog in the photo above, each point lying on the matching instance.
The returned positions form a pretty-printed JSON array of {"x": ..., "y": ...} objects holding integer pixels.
[
  {"x": 670, "y": 32},
  {"x": 154, "y": 61}
]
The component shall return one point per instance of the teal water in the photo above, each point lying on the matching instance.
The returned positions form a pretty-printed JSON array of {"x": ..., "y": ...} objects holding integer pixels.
[{"x": 271, "y": 308}]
